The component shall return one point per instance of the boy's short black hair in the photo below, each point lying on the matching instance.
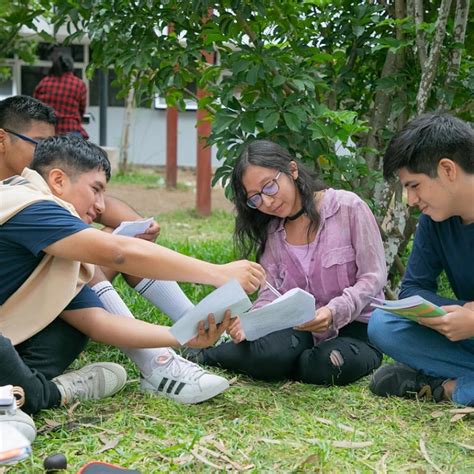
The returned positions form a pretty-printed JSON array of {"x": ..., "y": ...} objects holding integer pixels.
[
  {"x": 425, "y": 140},
  {"x": 18, "y": 111},
  {"x": 70, "y": 153}
]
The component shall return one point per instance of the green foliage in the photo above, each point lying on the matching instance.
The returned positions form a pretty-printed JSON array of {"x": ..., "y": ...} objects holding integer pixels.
[
  {"x": 15, "y": 15},
  {"x": 304, "y": 74}
]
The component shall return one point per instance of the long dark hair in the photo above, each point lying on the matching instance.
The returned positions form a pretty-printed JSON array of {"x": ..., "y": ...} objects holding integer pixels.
[
  {"x": 251, "y": 225},
  {"x": 62, "y": 63}
]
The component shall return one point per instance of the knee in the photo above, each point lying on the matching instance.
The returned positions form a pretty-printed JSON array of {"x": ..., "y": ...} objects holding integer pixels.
[
  {"x": 5, "y": 347},
  {"x": 377, "y": 329},
  {"x": 272, "y": 357},
  {"x": 271, "y": 362},
  {"x": 338, "y": 365}
]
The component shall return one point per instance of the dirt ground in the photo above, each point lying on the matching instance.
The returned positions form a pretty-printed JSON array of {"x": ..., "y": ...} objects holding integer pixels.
[{"x": 155, "y": 200}]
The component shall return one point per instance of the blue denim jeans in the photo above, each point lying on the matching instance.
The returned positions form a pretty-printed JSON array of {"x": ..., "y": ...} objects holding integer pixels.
[{"x": 426, "y": 350}]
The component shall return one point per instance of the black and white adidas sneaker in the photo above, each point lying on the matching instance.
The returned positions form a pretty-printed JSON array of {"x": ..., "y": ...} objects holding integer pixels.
[{"x": 181, "y": 380}]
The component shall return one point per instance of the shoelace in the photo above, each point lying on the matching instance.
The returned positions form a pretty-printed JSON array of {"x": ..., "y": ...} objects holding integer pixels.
[
  {"x": 79, "y": 387},
  {"x": 182, "y": 368}
]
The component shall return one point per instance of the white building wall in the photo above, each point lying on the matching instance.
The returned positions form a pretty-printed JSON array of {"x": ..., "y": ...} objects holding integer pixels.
[{"x": 148, "y": 135}]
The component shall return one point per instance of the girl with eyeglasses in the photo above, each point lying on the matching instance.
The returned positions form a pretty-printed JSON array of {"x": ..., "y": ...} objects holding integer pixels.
[{"x": 322, "y": 240}]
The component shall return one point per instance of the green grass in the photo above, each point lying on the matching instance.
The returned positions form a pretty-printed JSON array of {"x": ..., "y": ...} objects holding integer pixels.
[
  {"x": 148, "y": 178},
  {"x": 262, "y": 427}
]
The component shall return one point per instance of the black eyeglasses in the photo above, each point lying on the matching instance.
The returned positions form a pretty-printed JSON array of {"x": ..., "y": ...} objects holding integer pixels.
[
  {"x": 269, "y": 189},
  {"x": 23, "y": 137}
]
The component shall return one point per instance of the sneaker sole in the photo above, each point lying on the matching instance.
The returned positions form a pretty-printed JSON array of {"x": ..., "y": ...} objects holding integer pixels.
[{"x": 187, "y": 400}]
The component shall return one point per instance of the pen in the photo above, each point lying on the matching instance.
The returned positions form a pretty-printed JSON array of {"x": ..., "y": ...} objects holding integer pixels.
[{"x": 272, "y": 289}]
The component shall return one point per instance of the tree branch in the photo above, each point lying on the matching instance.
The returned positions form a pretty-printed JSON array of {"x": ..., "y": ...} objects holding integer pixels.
[
  {"x": 420, "y": 34},
  {"x": 253, "y": 37},
  {"x": 9, "y": 41},
  {"x": 428, "y": 75},
  {"x": 210, "y": 109},
  {"x": 454, "y": 60}
]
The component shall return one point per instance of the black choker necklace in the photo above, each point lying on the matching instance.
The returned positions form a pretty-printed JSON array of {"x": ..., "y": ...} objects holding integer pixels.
[{"x": 295, "y": 216}]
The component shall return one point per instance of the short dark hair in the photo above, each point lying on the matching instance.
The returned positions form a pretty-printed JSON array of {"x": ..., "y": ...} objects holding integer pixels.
[
  {"x": 17, "y": 112},
  {"x": 425, "y": 140},
  {"x": 251, "y": 225},
  {"x": 72, "y": 154}
]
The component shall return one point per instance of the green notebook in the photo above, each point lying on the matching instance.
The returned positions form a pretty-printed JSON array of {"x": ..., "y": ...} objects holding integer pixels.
[{"x": 413, "y": 307}]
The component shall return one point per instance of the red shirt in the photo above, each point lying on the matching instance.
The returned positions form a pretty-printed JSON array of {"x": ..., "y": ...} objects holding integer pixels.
[{"x": 67, "y": 95}]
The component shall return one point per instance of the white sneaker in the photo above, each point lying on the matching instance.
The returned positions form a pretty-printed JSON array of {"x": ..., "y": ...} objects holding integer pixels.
[
  {"x": 92, "y": 382},
  {"x": 20, "y": 421},
  {"x": 182, "y": 381}
]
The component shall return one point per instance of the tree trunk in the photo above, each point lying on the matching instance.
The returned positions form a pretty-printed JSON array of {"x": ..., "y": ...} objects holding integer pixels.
[
  {"x": 129, "y": 108},
  {"x": 420, "y": 34},
  {"x": 454, "y": 61},
  {"x": 429, "y": 72}
]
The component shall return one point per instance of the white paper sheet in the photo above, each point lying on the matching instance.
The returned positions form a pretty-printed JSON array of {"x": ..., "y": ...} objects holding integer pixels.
[
  {"x": 294, "y": 307},
  {"x": 229, "y": 296},
  {"x": 133, "y": 228}
]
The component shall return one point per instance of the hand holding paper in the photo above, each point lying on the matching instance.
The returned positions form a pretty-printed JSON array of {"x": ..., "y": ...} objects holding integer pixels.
[
  {"x": 321, "y": 322},
  {"x": 457, "y": 324},
  {"x": 294, "y": 307},
  {"x": 133, "y": 228},
  {"x": 230, "y": 296},
  {"x": 209, "y": 337}
]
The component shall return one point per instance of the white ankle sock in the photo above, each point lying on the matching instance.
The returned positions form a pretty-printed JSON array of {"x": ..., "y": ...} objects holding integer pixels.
[
  {"x": 143, "y": 358},
  {"x": 165, "y": 295}
]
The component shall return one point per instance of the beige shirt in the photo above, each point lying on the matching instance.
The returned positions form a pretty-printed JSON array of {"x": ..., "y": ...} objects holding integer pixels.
[{"x": 54, "y": 282}]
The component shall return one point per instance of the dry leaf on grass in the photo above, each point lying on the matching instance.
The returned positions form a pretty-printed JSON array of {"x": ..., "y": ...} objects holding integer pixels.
[
  {"x": 341, "y": 426},
  {"x": 383, "y": 463},
  {"x": 424, "y": 451},
  {"x": 233, "y": 380},
  {"x": 108, "y": 443},
  {"x": 204, "y": 460},
  {"x": 71, "y": 409},
  {"x": 49, "y": 425},
  {"x": 311, "y": 459},
  {"x": 457, "y": 417},
  {"x": 183, "y": 459},
  {"x": 437, "y": 414},
  {"x": 278, "y": 441},
  {"x": 465, "y": 446},
  {"x": 465, "y": 411},
  {"x": 351, "y": 444},
  {"x": 222, "y": 453},
  {"x": 222, "y": 457}
]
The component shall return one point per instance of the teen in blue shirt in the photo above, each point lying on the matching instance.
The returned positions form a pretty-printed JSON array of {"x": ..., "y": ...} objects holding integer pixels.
[
  {"x": 71, "y": 171},
  {"x": 433, "y": 157}
]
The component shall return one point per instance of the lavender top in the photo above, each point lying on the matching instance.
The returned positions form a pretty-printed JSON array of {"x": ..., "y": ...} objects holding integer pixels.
[{"x": 347, "y": 261}]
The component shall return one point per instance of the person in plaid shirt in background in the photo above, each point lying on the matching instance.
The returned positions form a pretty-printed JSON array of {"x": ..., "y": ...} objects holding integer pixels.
[{"x": 65, "y": 93}]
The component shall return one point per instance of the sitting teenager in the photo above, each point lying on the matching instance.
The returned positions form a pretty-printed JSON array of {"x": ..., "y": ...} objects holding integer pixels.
[
  {"x": 433, "y": 156},
  {"x": 24, "y": 121},
  {"x": 324, "y": 241},
  {"x": 45, "y": 234}
]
